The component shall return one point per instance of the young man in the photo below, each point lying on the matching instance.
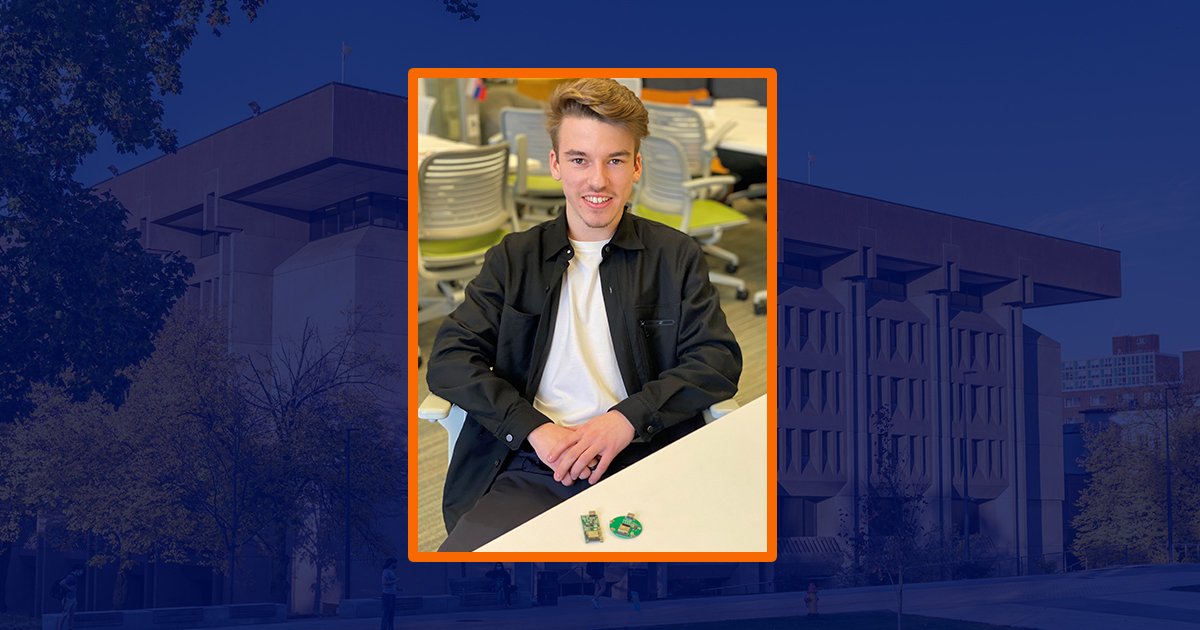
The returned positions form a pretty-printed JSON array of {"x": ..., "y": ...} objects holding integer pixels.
[
  {"x": 585, "y": 343},
  {"x": 70, "y": 599},
  {"x": 387, "y": 597}
]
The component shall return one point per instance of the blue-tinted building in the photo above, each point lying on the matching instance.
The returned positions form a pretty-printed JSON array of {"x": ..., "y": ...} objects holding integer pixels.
[{"x": 888, "y": 306}]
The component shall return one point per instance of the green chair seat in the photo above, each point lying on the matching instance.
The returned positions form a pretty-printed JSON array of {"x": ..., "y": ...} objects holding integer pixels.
[
  {"x": 434, "y": 251},
  {"x": 540, "y": 185},
  {"x": 707, "y": 215}
]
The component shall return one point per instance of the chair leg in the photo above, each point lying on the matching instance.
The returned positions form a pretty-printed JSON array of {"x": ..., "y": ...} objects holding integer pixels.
[
  {"x": 760, "y": 302},
  {"x": 720, "y": 252},
  {"x": 730, "y": 281},
  {"x": 431, "y": 308}
]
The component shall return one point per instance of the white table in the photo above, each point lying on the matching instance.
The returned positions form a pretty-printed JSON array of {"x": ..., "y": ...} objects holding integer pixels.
[
  {"x": 749, "y": 135},
  {"x": 707, "y": 492},
  {"x": 427, "y": 145}
]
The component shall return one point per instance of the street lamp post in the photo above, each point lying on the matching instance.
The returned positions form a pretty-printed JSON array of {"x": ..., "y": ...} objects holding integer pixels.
[
  {"x": 966, "y": 474},
  {"x": 346, "y": 581},
  {"x": 1167, "y": 445}
]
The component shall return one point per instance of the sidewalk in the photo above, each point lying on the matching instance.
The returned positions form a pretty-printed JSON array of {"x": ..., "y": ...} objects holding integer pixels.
[{"x": 1118, "y": 599}]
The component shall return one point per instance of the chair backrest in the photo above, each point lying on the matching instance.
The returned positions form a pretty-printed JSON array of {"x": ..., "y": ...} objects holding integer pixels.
[
  {"x": 532, "y": 124},
  {"x": 685, "y": 126},
  {"x": 424, "y": 112},
  {"x": 463, "y": 193},
  {"x": 664, "y": 172}
]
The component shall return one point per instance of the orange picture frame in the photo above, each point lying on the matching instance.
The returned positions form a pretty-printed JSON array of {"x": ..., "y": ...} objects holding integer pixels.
[{"x": 770, "y": 459}]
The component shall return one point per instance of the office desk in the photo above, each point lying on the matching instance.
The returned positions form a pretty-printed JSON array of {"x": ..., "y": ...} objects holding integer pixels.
[
  {"x": 706, "y": 492},
  {"x": 749, "y": 135}
]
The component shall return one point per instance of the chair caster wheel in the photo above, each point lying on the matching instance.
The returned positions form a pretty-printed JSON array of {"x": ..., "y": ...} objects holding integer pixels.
[
  {"x": 760, "y": 309},
  {"x": 743, "y": 294},
  {"x": 731, "y": 268}
]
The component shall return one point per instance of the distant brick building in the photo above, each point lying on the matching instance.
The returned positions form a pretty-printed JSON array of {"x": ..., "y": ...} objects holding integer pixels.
[{"x": 1131, "y": 377}]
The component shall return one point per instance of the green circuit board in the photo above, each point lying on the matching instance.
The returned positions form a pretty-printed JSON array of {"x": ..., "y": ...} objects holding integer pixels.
[
  {"x": 625, "y": 526},
  {"x": 591, "y": 527}
]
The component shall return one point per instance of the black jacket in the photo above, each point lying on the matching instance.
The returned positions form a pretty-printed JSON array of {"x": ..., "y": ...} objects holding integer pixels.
[{"x": 674, "y": 349}]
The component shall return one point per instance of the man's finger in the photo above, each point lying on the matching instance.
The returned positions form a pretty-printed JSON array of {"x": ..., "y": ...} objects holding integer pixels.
[
  {"x": 556, "y": 451},
  {"x": 562, "y": 465},
  {"x": 584, "y": 462},
  {"x": 590, "y": 468},
  {"x": 605, "y": 460}
]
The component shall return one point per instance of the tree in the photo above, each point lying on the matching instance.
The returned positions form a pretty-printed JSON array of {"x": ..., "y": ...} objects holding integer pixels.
[
  {"x": 79, "y": 298},
  {"x": 82, "y": 470},
  {"x": 212, "y": 454},
  {"x": 893, "y": 541},
  {"x": 215, "y": 457},
  {"x": 319, "y": 394},
  {"x": 1122, "y": 514}
]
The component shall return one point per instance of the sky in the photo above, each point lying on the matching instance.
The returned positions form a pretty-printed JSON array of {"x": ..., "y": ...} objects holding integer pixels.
[{"x": 1078, "y": 120}]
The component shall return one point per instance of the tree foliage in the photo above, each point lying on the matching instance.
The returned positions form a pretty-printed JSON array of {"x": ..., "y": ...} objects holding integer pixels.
[
  {"x": 1122, "y": 514},
  {"x": 79, "y": 298},
  {"x": 464, "y": 9},
  {"x": 213, "y": 455}
]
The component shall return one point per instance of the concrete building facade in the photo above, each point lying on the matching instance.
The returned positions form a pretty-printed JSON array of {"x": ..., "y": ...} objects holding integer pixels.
[{"x": 887, "y": 306}]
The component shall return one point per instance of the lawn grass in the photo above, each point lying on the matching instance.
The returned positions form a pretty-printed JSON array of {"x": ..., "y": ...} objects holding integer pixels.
[
  {"x": 872, "y": 620},
  {"x": 18, "y": 622}
]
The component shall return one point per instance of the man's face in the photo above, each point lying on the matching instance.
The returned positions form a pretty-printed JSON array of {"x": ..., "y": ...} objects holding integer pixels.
[{"x": 598, "y": 167}]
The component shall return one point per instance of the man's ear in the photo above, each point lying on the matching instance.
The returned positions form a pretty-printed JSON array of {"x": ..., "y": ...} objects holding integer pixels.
[
  {"x": 637, "y": 167},
  {"x": 554, "y": 170}
]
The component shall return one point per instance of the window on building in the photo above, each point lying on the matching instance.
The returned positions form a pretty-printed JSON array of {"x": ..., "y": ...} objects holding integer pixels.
[
  {"x": 358, "y": 212},
  {"x": 797, "y": 269},
  {"x": 888, "y": 285}
]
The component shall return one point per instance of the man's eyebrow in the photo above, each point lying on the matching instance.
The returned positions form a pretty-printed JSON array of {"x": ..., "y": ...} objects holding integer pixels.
[{"x": 578, "y": 153}]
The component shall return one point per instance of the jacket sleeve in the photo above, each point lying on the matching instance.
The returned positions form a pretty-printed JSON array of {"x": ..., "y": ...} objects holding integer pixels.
[
  {"x": 460, "y": 367},
  {"x": 709, "y": 359}
]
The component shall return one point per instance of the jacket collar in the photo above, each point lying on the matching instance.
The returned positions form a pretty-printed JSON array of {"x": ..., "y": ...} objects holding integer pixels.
[{"x": 627, "y": 236}]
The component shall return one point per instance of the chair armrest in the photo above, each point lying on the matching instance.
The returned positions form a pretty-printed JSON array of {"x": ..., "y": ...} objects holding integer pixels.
[
  {"x": 433, "y": 408},
  {"x": 715, "y": 138},
  {"x": 720, "y": 409},
  {"x": 712, "y": 180},
  {"x": 755, "y": 191}
]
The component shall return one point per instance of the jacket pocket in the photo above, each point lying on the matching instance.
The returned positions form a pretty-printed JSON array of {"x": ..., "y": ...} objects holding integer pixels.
[
  {"x": 657, "y": 336},
  {"x": 514, "y": 342}
]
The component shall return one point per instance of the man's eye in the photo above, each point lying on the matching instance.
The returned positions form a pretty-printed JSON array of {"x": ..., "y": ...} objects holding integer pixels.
[
  {"x": 616, "y": 161},
  {"x": 577, "y": 161}
]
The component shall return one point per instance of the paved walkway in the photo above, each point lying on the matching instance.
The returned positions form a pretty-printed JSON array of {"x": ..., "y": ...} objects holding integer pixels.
[{"x": 1131, "y": 598}]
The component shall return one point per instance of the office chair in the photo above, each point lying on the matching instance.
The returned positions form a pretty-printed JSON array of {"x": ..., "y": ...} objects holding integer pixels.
[
  {"x": 754, "y": 191},
  {"x": 463, "y": 209},
  {"x": 425, "y": 106},
  {"x": 533, "y": 188},
  {"x": 687, "y": 127},
  {"x": 664, "y": 194}
]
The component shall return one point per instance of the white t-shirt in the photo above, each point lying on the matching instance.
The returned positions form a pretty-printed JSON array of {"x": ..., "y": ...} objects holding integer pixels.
[{"x": 581, "y": 379}]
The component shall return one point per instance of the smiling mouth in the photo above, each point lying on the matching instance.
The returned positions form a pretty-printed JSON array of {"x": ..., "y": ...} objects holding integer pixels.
[{"x": 597, "y": 200}]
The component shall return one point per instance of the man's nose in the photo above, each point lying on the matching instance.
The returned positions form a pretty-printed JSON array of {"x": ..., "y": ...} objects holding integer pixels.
[{"x": 598, "y": 177}]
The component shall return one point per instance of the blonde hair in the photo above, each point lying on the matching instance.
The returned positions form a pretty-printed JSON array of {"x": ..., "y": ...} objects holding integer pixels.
[{"x": 601, "y": 99}]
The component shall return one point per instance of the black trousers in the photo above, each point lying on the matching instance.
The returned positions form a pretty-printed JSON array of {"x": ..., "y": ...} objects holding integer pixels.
[
  {"x": 389, "y": 612},
  {"x": 523, "y": 489}
]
